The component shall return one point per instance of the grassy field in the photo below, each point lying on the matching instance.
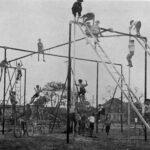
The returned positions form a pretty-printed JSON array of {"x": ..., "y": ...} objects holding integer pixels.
[{"x": 57, "y": 141}]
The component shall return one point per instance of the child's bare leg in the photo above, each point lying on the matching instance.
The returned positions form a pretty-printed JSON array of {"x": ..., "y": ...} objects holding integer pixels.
[{"x": 43, "y": 56}]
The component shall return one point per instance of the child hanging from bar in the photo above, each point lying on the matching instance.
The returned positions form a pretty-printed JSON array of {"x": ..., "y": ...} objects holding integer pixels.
[
  {"x": 40, "y": 49},
  {"x": 19, "y": 72},
  {"x": 3, "y": 64},
  {"x": 131, "y": 53},
  {"x": 131, "y": 45},
  {"x": 82, "y": 90},
  {"x": 77, "y": 9},
  {"x": 38, "y": 90}
]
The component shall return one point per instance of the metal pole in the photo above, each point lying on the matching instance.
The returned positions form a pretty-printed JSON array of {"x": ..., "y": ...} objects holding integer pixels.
[
  {"x": 129, "y": 91},
  {"x": 69, "y": 84},
  {"x": 97, "y": 96},
  {"x": 145, "y": 87},
  {"x": 121, "y": 100},
  {"x": 129, "y": 107},
  {"x": 25, "y": 75},
  {"x": 4, "y": 95}
]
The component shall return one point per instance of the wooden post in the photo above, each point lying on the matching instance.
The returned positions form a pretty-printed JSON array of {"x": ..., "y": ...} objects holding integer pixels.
[
  {"x": 97, "y": 96},
  {"x": 69, "y": 84},
  {"x": 4, "y": 95},
  {"x": 121, "y": 99},
  {"x": 145, "y": 87}
]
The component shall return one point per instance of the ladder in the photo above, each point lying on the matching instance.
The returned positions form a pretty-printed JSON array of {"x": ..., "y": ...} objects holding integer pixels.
[{"x": 103, "y": 56}]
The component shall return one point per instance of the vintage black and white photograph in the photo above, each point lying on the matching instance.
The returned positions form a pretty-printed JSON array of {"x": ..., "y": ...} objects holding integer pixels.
[{"x": 74, "y": 75}]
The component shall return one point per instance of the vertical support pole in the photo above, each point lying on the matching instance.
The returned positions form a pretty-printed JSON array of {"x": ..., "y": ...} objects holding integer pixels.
[
  {"x": 25, "y": 75},
  {"x": 145, "y": 87},
  {"x": 129, "y": 107},
  {"x": 129, "y": 92},
  {"x": 4, "y": 95},
  {"x": 121, "y": 99},
  {"x": 69, "y": 84},
  {"x": 97, "y": 81}
]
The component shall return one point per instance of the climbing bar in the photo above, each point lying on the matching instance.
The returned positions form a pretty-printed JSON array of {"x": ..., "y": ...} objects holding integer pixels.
[
  {"x": 32, "y": 52},
  {"x": 82, "y": 59},
  {"x": 10, "y": 82},
  {"x": 131, "y": 103},
  {"x": 113, "y": 66},
  {"x": 112, "y": 31}
]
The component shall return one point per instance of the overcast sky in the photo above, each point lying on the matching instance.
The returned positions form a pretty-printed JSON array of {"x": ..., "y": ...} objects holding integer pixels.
[{"x": 23, "y": 22}]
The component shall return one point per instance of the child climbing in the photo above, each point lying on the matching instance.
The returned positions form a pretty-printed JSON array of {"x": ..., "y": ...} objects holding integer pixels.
[
  {"x": 77, "y": 9},
  {"x": 12, "y": 95},
  {"x": 131, "y": 45},
  {"x": 40, "y": 49},
  {"x": 131, "y": 53},
  {"x": 92, "y": 122},
  {"x": 82, "y": 89},
  {"x": 3, "y": 64},
  {"x": 38, "y": 90},
  {"x": 96, "y": 30},
  {"x": 137, "y": 25},
  {"x": 88, "y": 16},
  {"x": 19, "y": 73},
  {"x": 88, "y": 27}
]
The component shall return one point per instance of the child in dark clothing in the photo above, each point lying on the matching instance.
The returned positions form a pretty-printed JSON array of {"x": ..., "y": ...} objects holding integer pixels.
[
  {"x": 82, "y": 90},
  {"x": 77, "y": 8},
  {"x": 107, "y": 126},
  {"x": 3, "y": 64}
]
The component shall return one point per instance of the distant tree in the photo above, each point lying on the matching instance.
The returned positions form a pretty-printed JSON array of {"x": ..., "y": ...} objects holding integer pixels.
[{"x": 53, "y": 92}]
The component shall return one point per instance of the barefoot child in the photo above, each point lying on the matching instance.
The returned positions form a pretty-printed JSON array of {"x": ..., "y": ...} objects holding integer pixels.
[{"x": 40, "y": 49}]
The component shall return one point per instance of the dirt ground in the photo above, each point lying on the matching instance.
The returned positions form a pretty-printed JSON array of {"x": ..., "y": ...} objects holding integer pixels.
[{"x": 57, "y": 141}]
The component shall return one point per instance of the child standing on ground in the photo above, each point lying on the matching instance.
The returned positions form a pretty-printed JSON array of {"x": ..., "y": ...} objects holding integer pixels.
[
  {"x": 92, "y": 121},
  {"x": 107, "y": 125}
]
